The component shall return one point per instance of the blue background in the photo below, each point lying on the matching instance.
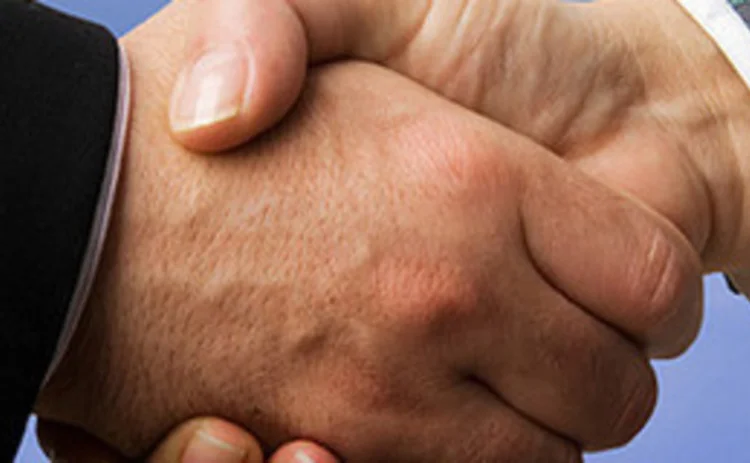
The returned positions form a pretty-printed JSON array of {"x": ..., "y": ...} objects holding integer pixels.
[{"x": 703, "y": 414}]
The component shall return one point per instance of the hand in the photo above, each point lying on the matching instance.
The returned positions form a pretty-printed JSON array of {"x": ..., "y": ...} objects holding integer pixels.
[
  {"x": 395, "y": 277},
  {"x": 202, "y": 440},
  {"x": 634, "y": 92}
]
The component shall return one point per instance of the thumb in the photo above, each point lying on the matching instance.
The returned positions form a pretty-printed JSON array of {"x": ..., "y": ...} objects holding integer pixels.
[
  {"x": 627, "y": 264},
  {"x": 246, "y": 65},
  {"x": 206, "y": 440},
  {"x": 201, "y": 440},
  {"x": 248, "y": 58}
]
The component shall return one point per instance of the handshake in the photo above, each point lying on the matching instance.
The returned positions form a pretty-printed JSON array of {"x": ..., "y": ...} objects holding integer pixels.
[{"x": 465, "y": 247}]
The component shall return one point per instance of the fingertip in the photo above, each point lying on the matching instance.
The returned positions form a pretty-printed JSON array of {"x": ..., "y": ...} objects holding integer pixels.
[
  {"x": 249, "y": 67},
  {"x": 303, "y": 452},
  {"x": 211, "y": 99},
  {"x": 233, "y": 436},
  {"x": 208, "y": 439},
  {"x": 217, "y": 137},
  {"x": 219, "y": 441}
]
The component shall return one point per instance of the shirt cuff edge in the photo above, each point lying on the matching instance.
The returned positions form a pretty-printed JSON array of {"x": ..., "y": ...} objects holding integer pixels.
[{"x": 100, "y": 224}]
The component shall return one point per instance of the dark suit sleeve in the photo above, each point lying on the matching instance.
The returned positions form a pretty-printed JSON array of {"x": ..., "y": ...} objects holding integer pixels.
[{"x": 58, "y": 98}]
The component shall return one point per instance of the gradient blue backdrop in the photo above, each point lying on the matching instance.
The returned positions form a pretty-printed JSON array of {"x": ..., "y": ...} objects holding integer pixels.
[{"x": 704, "y": 411}]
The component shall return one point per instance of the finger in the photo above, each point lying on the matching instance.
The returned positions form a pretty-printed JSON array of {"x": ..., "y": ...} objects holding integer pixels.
[
  {"x": 624, "y": 163},
  {"x": 489, "y": 430},
  {"x": 467, "y": 422},
  {"x": 562, "y": 367},
  {"x": 622, "y": 262},
  {"x": 546, "y": 355},
  {"x": 247, "y": 61},
  {"x": 66, "y": 443},
  {"x": 245, "y": 69},
  {"x": 206, "y": 440},
  {"x": 302, "y": 452}
]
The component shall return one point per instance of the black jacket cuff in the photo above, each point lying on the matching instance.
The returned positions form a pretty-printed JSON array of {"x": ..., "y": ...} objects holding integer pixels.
[{"x": 58, "y": 98}]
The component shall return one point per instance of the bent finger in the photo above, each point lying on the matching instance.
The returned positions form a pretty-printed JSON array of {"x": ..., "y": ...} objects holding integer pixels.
[{"x": 247, "y": 61}]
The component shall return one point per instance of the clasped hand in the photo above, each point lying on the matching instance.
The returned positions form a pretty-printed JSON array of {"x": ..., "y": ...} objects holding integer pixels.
[{"x": 388, "y": 272}]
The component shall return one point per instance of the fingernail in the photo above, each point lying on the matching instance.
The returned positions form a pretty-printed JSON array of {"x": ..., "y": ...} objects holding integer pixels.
[
  {"x": 211, "y": 90},
  {"x": 206, "y": 448},
  {"x": 301, "y": 456}
]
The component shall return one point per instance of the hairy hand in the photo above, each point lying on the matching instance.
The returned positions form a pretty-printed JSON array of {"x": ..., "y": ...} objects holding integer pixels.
[
  {"x": 388, "y": 274},
  {"x": 634, "y": 92}
]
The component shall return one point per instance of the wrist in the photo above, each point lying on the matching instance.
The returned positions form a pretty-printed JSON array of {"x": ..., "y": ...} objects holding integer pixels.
[
  {"x": 712, "y": 119},
  {"x": 699, "y": 102},
  {"x": 717, "y": 145},
  {"x": 728, "y": 25}
]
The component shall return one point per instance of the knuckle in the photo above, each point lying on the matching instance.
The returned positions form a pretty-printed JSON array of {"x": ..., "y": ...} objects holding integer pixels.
[
  {"x": 660, "y": 281},
  {"x": 534, "y": 446},
  {"x": 568, "y": 453},
  {"x": 634, "y": 406},
  {"x": 422, "y": 297},
  {"x": 606, "y": 379},
  {"x": 453, "y": 159}
]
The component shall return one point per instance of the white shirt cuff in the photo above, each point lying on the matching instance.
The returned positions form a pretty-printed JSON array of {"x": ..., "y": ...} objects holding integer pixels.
[{"x": 724, "y": 24}]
